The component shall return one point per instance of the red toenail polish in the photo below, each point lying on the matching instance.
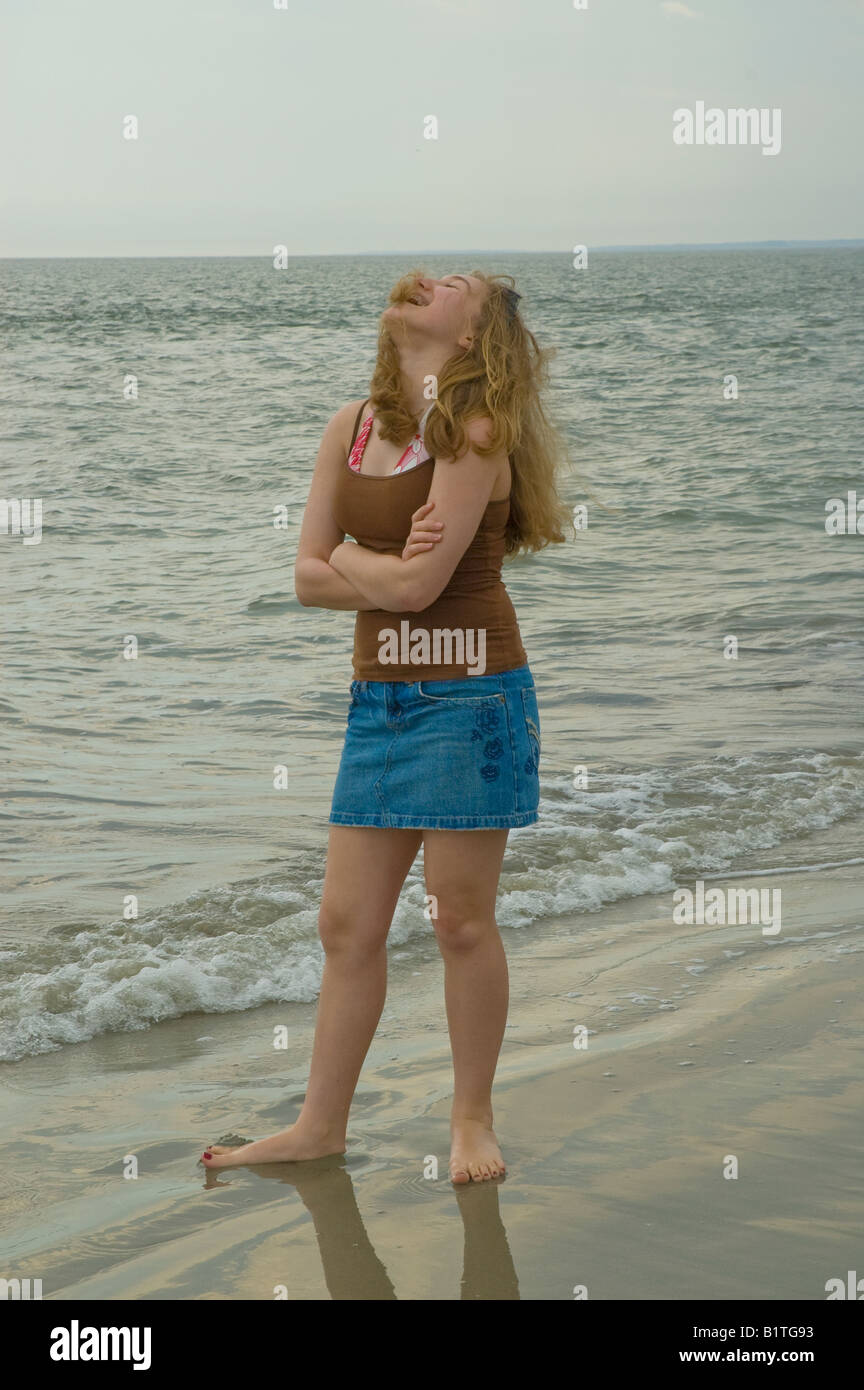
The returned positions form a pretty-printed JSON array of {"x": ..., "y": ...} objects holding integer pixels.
[{"x": 207, "y": 1155}]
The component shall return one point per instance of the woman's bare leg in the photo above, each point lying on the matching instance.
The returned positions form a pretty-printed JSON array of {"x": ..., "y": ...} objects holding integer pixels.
[
  {"x": 462, "y": 871},
  {"x": 366, "y": 868}
]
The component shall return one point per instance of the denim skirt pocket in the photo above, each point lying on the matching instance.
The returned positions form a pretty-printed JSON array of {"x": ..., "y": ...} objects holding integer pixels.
[
  {"x": 531, "y": 715},
  {"x": 472, "y": 690}
]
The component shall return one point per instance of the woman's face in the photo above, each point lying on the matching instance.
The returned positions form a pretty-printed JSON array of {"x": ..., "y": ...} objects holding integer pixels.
[{"x": 440, "y": 311}]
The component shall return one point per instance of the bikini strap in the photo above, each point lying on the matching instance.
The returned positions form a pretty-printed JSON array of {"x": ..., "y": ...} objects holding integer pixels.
[{"x": 357, "y": 424}]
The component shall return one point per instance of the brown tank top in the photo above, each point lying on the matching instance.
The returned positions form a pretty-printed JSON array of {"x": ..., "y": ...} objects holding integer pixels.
[{"x": 471, "y": 627}]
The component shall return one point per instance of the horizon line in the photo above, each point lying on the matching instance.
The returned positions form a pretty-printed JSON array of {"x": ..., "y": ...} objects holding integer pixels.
[{"x": 775, "y": 244}]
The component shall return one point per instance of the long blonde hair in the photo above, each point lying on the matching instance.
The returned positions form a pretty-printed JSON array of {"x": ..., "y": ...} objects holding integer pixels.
[{"x": 501, "y": 376}]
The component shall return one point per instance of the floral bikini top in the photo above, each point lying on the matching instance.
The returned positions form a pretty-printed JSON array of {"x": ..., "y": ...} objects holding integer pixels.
[{"x": 410, "y": 458}]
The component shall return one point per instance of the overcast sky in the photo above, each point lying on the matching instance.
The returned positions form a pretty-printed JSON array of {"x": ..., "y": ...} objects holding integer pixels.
[{"x": 305, "y": 126}]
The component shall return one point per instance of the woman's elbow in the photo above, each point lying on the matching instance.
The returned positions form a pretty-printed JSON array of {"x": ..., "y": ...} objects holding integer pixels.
[
  {"x": 418, "y": 596},
  {"x": 302, "y": 587}
]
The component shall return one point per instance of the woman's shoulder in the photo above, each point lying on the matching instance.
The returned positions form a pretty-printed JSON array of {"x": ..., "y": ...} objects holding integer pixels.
[
  {"x": 347, "y": 418},
  {"x": 350, "y": 409},
  {"x": 479, "y": 430}
]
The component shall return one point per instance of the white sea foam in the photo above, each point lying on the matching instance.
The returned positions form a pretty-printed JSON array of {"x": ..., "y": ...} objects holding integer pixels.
[{"x": 256, "y": 942}]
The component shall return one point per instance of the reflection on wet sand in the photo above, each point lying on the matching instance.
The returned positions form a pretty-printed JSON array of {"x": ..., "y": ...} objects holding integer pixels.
[{"x": 352, "y": 1269}]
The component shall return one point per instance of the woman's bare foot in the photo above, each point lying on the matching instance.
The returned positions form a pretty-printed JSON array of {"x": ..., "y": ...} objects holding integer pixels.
[
  {"x": 474, "y": 1154},
  {"x": 290, "y": 1146}
]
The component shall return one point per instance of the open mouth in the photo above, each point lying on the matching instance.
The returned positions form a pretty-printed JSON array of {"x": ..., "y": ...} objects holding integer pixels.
[{"x": 415, "y": 299}]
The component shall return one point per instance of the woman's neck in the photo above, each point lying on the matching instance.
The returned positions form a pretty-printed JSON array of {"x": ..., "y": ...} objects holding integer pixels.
[{"x": 418, "y": 365}]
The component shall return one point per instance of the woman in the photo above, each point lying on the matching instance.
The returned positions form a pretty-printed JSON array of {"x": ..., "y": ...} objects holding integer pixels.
[{"x": 448, "y": 465}]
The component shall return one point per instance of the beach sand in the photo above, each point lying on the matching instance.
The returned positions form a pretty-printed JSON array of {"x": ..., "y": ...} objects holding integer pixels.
[{"x": 705, "y": 1043}]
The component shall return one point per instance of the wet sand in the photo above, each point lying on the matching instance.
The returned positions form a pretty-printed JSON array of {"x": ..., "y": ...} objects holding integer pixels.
[{"x": 705, "y": 1044}]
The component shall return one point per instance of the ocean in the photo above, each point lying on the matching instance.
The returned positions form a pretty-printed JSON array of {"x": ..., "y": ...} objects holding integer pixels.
[{"x": 698, "y": 648}]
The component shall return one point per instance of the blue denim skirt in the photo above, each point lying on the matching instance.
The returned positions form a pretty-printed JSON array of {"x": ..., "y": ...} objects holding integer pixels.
[{"x": 441, "y": 755}]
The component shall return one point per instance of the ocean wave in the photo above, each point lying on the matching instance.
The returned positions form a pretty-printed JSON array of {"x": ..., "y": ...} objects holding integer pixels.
[{"x": 251, "y": 943}]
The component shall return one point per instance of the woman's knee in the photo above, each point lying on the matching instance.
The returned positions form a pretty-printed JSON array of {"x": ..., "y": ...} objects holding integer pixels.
[
  {"x": 347, "y": 929},
  {"x": 462, "y": 929}
]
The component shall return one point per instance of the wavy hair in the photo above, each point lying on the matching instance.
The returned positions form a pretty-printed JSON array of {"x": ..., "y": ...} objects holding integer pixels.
[{"x": 502, "y": 377}]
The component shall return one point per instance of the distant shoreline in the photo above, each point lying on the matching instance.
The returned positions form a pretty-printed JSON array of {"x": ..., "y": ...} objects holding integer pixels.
[{"x": 837, "y": 243}]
